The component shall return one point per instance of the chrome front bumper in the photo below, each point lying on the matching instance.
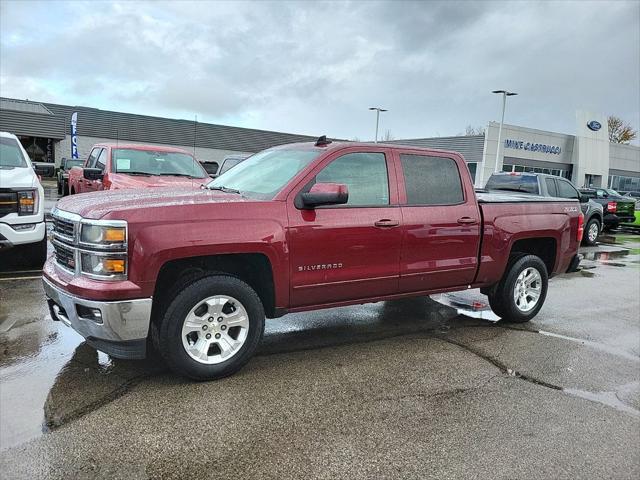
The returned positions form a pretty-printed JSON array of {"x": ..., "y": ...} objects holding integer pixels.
[{"x": 117, "y": 328}]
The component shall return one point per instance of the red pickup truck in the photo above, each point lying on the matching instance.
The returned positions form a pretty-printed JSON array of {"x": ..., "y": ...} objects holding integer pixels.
[
  {"x": 117, "y": 166},
  {"x": 294, "y": 228}
]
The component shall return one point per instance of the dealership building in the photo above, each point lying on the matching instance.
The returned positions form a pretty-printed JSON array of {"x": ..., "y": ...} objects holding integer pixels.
[{"x": 586, "y": 157}]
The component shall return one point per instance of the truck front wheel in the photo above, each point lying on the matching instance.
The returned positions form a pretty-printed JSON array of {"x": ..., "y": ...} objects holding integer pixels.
[
  {"x": 211, "y": 328},
  {"x": 521, "y": 293}
]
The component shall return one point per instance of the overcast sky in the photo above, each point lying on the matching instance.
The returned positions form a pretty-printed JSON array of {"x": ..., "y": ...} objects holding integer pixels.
[{"x": 315, "y": 68}]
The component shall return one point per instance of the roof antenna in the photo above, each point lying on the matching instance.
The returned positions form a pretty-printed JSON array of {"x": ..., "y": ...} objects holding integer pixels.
[{"x": 322, "y": 141}]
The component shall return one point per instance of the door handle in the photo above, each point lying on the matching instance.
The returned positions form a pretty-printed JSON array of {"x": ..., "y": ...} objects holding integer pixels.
[
  {"x": 386, "y": 223},
  {"x": 467, "y": 221}
]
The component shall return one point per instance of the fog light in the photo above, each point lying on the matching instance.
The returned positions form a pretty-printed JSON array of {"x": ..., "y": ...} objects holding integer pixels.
[{"x": 24, "y": 227}]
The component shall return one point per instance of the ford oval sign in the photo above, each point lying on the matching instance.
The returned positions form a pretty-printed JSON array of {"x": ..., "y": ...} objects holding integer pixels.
[{"x": 594, "y": 125}]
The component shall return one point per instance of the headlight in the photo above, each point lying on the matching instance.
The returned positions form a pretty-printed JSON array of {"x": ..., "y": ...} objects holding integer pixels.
[
  {"x": 104, "y": 265},
  {"x": 103, "y": 235},
  {"x": 27, "y": 202}
]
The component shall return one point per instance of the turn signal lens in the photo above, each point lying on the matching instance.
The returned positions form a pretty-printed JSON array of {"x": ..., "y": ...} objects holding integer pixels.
[
  {"x": 113, "y": 266},
  {"x": 114, "y": 234}
]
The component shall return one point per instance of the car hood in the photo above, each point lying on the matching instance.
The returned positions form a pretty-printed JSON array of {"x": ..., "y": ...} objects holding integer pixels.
[
  {"x": 119, "y": 180},
  {"x": 18, "y": 177},
  {"x": 96, "y": 205}
]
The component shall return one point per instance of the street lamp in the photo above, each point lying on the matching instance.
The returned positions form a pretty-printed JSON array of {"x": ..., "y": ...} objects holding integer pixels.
[
  {"x": 505, "y": 94},
  {"x": 378, "y": 110}
]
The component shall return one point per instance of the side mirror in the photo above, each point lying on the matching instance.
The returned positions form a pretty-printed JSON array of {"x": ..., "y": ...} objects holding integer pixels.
[
  {"x": 92, "y": 173},
  {"x": 325, "y": 194},
  {"x": 44, "y": 169},
  {"x": 583, "y": 199}
]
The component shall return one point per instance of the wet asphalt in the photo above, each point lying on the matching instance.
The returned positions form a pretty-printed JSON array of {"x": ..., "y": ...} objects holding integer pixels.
[{"x": 420, "y": 388}]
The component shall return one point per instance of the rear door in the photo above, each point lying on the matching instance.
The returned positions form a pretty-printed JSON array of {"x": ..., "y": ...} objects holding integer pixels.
[
  {"x": 441, "y": 222},
  {"x": 352, "y": 251}
]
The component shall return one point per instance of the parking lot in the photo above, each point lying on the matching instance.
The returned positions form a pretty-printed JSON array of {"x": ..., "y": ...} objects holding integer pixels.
[{"x": 420, "y": 388}]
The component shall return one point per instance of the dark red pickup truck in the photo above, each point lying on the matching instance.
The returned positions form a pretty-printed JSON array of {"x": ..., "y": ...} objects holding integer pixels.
[{"x": 294, "y": 228}]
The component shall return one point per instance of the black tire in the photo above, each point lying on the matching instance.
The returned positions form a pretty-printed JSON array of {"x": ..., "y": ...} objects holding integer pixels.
[
  {"x": 611, "y": 226},
  {"x": 60, "y": 188},
  {"x": 167, "y": 336},
  {"x": 502, "y": 300},
  {"x": 35, "y": 254},
  {"x": 65, "y": 189},
  {"x": 590, "y": 224}
]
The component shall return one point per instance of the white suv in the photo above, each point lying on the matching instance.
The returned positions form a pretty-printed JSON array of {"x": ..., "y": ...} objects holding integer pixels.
[{"x": 22, "y": 226}]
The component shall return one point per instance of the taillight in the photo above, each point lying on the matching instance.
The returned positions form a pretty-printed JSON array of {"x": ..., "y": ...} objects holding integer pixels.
[
  {"x": 580, "y": 227},
  {"x": 612, "y": 206}
]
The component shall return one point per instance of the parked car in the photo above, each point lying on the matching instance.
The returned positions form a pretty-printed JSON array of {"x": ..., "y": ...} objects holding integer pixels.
[
  {"x": 211, "y": 167},
  {"x": 634, "y": 195},
  {"x": 552, "y": 186},
  {"x": 22, "y": 226},
  {"x": 229, "y": 162},
  {"x": 118, "y": 166},
  {"x": 617, "y": 209},
  {"x": 294, "y": 228},
  {"x": 62, "y": 176}
]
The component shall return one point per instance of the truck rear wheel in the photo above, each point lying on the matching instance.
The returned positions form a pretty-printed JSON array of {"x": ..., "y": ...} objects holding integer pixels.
[
  {"x": 591, "y": 232},
  {"x": 211, "y": 328},
  {"x": 522, "y": 291}
]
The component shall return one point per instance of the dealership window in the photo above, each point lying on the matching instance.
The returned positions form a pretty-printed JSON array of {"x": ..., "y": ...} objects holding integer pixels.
[
  {"x": 507, "y": 167},
  {"x": 622, "y": 183},
  {"x": 431, "y": 180}
]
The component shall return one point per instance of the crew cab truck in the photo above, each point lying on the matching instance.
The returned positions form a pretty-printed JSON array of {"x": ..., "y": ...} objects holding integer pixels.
[
  {"x": 552, "y": 186},
  {"x": 118, "y": 166},
  {"x": 295, "y": 228},
  {"x": 22, "y": 227}
]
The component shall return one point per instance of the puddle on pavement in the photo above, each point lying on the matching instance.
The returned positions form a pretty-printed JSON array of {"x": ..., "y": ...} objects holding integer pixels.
[
  {"x": 603, "y": 256},
  {"x": 50, "y": 376}
]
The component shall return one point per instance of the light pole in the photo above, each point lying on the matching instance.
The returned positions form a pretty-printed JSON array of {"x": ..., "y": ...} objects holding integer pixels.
[
  {"x": 505, "y": 94},
  {"x": 378, "y": 110}
]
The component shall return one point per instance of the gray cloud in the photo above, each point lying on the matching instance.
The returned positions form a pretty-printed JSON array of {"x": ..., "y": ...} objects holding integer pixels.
[{"x": 316, "y": 67}]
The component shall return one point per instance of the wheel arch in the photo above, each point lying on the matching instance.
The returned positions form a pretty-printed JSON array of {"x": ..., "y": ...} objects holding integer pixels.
[{"x": 255, "y": 269}]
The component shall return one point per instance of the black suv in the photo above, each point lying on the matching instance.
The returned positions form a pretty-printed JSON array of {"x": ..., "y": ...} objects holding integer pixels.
[
  {"x": 617, "y": 209},
  {"x": 552, "y": 186},
  {"x": 63, "y": 173}
]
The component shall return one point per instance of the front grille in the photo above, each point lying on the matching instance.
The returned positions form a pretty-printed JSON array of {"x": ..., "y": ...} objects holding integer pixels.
[
  {"x": 62, "y": 227},
  {"x": 8, "y": 203},
  {"x": 65, "y": 256}
]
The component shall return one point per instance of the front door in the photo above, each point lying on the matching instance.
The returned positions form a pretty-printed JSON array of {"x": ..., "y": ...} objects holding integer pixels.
[
  {"x": 441, "y": 231},
  {"x": 346, "y": 252}
]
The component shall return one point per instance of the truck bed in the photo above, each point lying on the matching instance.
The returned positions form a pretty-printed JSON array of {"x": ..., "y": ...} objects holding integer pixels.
[{"x": 495, "y": 196}]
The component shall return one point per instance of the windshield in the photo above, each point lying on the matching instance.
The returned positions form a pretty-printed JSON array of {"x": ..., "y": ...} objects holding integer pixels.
[
  {"x": 156, "y": 163},
  {"x": 11, "y": 154},
  {"x": 612, "y": 192},
  {"x": 264, "y": 174},
  {"x": 513, "y": 183}
]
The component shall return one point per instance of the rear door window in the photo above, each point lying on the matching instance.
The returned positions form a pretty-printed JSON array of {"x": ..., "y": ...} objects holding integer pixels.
[
  {"x": 431, "y": 180},
  {"x": 566, "y": 190},
  {"x": 551, "y": 187}
]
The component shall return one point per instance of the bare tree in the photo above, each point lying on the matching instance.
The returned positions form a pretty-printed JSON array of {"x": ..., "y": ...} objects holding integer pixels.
[
  {"x": 471, "y": 130},
  {"x": 388, "y": 136},
  {"x": 620, "y": 132}
]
